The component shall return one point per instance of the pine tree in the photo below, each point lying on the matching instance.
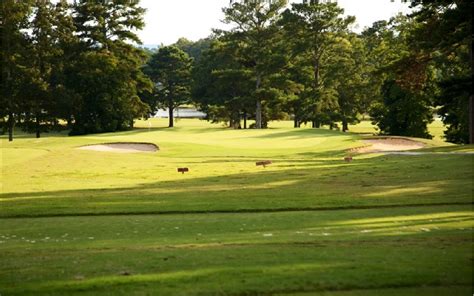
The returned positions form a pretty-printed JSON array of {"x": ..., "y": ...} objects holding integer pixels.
[
  {"x": 14, "y": 16},
  {"x": 108, "y": 78},
  {"x": 170, "y": 70},
  {"x": 43, "y": 52},
  {"x": 253, "y": 35},
  {"x": 313, "y": 28},
  {"x": 446, "y": 27},
  {"x": 222, "y": 87}
]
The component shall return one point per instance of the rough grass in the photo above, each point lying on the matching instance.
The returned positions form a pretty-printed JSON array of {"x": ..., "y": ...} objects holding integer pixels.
[{"x": 85, "y": 222}]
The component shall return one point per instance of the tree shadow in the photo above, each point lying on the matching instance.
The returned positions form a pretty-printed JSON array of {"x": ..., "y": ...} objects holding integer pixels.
[
  {"x": 301, "y": 185},
  {"x": 18, "y": 134},
  {"x": 303, "y": 133}
]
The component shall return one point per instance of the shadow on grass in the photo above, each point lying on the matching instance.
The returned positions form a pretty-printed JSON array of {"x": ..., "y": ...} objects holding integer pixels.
[
  {"x": 381, "y": 181},
  {"x": 296, "y": 134},
  {"x": 257, "y": 270},
  {"x": 454, "y": 148},
  {"x": 18, "y": 134},
  {"x": 256, "y": 266},
  {"x": 303, "y": 133}
]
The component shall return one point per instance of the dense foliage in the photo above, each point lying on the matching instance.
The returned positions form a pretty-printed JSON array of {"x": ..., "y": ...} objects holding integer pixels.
[
  {"x": 72, "y": 62},
  {"x": 75, "y": 64},
  {"x": 170, "y": 70},
  {"x": 303, "y": 62},
  {"x": 443, "y": 36}
]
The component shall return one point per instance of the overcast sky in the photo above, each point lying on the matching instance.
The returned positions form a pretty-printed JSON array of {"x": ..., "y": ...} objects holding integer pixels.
[{"x": 168, "y": 20}]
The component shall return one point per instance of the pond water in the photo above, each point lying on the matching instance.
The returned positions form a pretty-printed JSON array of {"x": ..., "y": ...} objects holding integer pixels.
[{"x": 181, "y": 113}]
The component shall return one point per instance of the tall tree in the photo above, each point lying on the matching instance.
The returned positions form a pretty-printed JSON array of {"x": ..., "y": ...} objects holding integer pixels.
[
  {"x": 108, "y": 66},
  {"x": 348, "y": 75},
  {"x": 446, "y": 27},
  {"x": 404, "y": 105},
  {"x": 44, "y": 51},
  {"x": 68, "y": 48},
  {"x": 170, "y": 70},
  {"x": 382, "y": 49},
  {"x": 222, "y": 87},
  {"x": 253, "y": 34},
  {"x": 313, "y": 28},
  {"x": 14, "y": 19}
]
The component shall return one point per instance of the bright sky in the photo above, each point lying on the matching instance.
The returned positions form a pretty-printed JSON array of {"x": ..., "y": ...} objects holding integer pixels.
[{"x": 168, "y": 20}]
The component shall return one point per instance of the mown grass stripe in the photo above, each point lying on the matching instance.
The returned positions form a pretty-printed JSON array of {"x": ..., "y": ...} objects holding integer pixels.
[{"x": 237, "y": 211}]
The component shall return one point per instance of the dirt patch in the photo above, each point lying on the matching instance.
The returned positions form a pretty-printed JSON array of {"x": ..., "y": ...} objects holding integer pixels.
[
  {"x": 122, "y": 147},
  {"x": 388, "y": 145}
]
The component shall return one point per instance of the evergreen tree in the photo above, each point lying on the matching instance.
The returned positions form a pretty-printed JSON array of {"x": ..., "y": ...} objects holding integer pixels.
[
  {"x": 313, "y": 28},
  {"x": 43, "y": 52},
  {"x": 222, "y": 87},
  {"x": 67, "y": 45},
  {"x": 402, "y": 113},
  {"x": 408, "y": 82},
  {"x": 254, "y": 35},
  {"x": 170, "y": 70},
  {"x": 108, "y": 67},
  {"x": 445, "y": 28},
  {"x": 14, "y": 20},
  {"x": 348, "y": 76}
]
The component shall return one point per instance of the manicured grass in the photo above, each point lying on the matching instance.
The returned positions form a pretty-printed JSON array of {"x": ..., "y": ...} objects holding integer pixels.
[
  {"x": 436, "y": 128},
  {"x": 262, "y": 252},
  {"x": 85, "y": 222}
]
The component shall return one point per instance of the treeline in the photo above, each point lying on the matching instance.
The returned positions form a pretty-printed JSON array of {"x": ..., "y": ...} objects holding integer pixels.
[
  {"x": 73, "y": 65},
  {"x": 305, "y": 63}
]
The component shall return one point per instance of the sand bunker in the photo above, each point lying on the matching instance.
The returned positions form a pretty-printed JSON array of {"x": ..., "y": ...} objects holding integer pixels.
[
  {"x": 122, "y": 147},
  {"x": 389, "y": 145}
]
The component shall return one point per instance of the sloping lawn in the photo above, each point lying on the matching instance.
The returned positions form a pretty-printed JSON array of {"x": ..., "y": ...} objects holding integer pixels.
[{"x": 89, "y": 223}]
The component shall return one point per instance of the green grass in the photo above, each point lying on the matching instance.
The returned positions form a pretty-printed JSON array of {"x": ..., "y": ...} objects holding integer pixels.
[
  {"x": 436, "y": 128},
  {"x": 84, "y": 222}
]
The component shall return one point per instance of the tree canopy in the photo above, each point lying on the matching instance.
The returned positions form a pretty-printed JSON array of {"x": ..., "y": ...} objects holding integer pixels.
[
  {"x": 78, "y": 66},
  {"x": 72, "y": 62},
  {"x": 170, "y": 70}
]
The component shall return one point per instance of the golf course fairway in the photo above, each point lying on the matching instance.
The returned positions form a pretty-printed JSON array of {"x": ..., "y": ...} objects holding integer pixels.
[{"x": 85, "y": 222}]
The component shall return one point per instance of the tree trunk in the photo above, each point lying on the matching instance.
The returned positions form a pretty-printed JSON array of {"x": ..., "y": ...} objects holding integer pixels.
[
  {"x": 471, "y": 102},
  {"x": 258, "y": 113},
  {"x": 345, "y": 125},
  {"x": 316, "y": 123},
  {"x": 11, "y": 120},
  {"x": 171, "y": 115},
  {"x": 297, "y": 122},
  {"x": 471, "y": 120},
  {"x": 245, "y": 119},
  {"x": 316, "y": 74},
  {"x": 38, "y": 128},
  {"x": 11, "y": 124}
]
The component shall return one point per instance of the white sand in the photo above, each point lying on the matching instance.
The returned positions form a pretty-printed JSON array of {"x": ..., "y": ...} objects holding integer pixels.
[
  {"x": 389, "y": 145},
  {"x": 122, "y": 148}
]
